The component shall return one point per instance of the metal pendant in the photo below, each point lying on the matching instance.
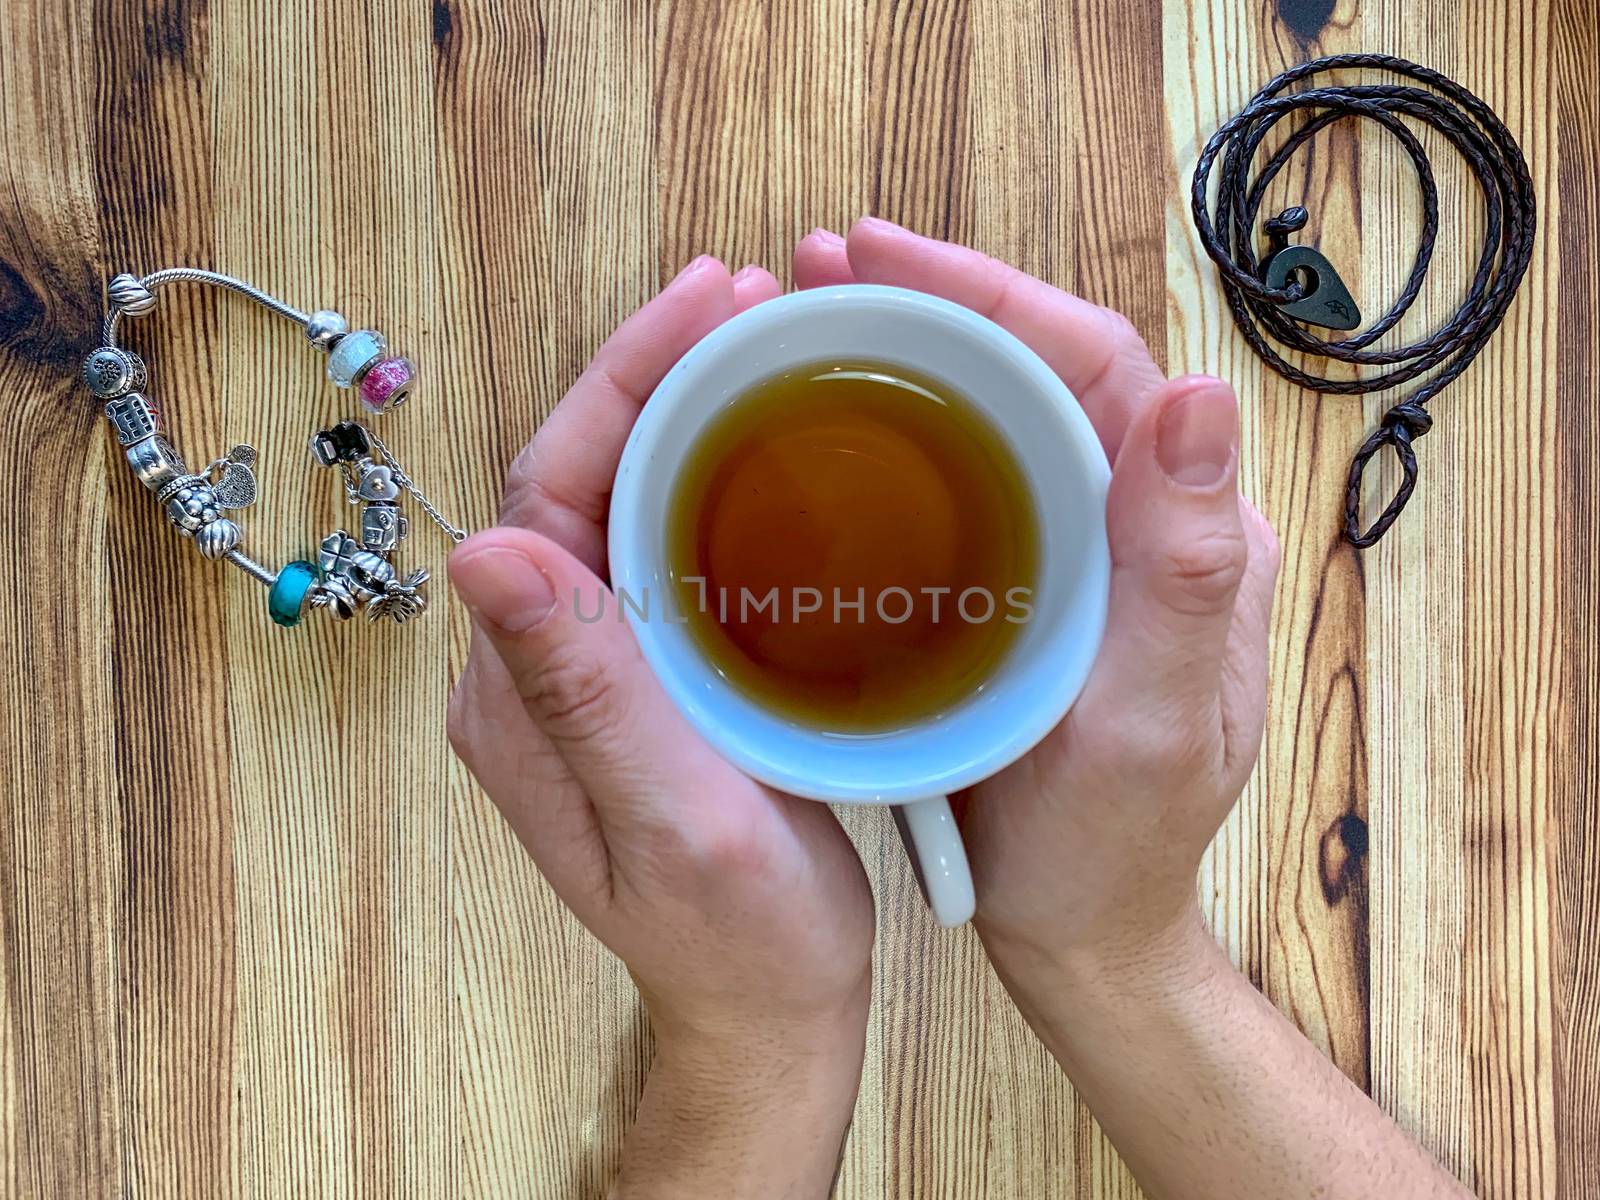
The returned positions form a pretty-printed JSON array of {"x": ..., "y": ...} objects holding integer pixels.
[
  {"x": 377, "y": 483},
  {"x": 1327, "y": 301},
  {"x": 237, "y": 486}
]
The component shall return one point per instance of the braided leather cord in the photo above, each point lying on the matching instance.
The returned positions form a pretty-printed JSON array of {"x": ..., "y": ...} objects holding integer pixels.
[{"x": 1469, "y": 125}]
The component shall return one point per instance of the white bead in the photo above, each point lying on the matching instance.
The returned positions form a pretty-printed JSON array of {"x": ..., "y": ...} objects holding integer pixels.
[{"x": 352, "y": 355}]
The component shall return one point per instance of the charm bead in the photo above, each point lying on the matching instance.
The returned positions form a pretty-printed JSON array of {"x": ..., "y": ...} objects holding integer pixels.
[
  {"x": 382, "y": 527},
  {"x": 133, "y": 417},
  {"x": 194, "y": 506},
  {"x": 345, "y": 442},
  {"x": 355, "y": 352},
  {"x": 325, "y": 328},
  {"x": 237, "y": 487},
  {"x": 173, "y": 487},
  {"x": 369, "y": 574},
  {"x": 338, "y": 551},
  {"x": 388, "y": 383},
  {"x": 335, "y": 596},
  {"x": 216, "y": 538},
  {"x": 401, "y": 599},
  {"x": 156, "y": 463},
  {"x": 286, "y": 601},
  {"x": 129, "y": 296},
  {"x": 110, "y": 372}
]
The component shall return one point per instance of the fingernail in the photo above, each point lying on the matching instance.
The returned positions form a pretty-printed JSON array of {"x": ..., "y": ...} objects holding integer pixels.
[
  {"x": 745, "y": 272},
  {"x": 695, "y": 266},
  {"x": 826, "y": 236},
  {"x": 875, "y": 223},
  {"x": 1196, "y": 434},
  {"x": 503, "y": 587}
]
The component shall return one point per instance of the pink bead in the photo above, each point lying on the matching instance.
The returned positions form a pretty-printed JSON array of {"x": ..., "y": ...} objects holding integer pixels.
[{"x": 387, "y": 383}]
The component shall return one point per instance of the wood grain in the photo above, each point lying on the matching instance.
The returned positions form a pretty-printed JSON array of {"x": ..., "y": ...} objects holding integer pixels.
[
  {"x": 261, "y": 934},
  {"x": 1575, "y": 802}
]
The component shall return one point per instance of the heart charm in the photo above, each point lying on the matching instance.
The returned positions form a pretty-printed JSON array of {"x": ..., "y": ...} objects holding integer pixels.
[
  {"x": 237, "y": 486},
  {"x": 377, "y": 483}
]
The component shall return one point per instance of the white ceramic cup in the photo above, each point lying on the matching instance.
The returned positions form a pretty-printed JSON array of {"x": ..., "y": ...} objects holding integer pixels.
[{"x": 1034, "y": 685}]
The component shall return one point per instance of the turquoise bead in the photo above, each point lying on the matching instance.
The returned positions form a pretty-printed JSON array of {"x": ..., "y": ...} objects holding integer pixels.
[{"x": 287, "y": 599}]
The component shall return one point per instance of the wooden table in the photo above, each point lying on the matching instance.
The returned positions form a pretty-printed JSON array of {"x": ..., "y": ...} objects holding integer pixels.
[{"x": 262, "y": 936}]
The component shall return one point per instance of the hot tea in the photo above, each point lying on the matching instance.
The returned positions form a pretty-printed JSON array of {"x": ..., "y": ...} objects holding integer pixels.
[{"x": 853, "y": 546}]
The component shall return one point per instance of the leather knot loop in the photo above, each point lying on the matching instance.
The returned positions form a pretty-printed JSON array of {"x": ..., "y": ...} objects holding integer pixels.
[
  {"x": 1396, "y": 433},
  {"x": 1411, "y": 417}
]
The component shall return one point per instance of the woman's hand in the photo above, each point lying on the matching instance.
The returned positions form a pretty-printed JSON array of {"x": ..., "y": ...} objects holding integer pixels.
[
  {"x": 1091, "y": 842},
  {"x": 743, "y": 915},
  {"x": 1084, "y": 853}
]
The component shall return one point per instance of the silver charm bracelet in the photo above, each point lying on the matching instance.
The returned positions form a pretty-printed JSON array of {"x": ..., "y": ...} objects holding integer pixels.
[{"x": 352, "y": 571}]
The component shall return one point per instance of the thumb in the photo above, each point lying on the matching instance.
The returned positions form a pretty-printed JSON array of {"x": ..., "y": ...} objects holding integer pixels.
[
  {"x": 578, "y": 672},
  {"x": 1178, "y": 546}
]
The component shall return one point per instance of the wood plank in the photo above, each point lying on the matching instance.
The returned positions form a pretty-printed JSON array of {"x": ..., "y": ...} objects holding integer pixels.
[
  {"x": 1573, "y": 217},
  {"x": 818, "y": 166},
  {"x": 818, "y": 174},
  {"x": 712, "y": 74},
  {"x": 340, "y": 839},
  {"x": 65, "y": 1126},
  {"x": 545, "y": 122},
  {"x": 930, "y": 984},
  {"x": 1025, "y": 119},
  {"x": 1208, "y": 52},
  {"x": 1285, "y": 884},
  {"x": 174, "y": 922},
  {"x": 1316, "y": 957},
  {"x": 1510, "y": 675},
  {"x": 1416, "y": 881},
  {"x": 919, "y": 72}
]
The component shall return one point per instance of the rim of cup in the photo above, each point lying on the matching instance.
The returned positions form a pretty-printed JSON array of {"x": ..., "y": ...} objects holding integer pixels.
[{"x": 947, "y": 751}]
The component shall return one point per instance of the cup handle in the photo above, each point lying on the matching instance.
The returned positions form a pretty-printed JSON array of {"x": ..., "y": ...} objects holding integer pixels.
[{"x": 933, "y": 844}]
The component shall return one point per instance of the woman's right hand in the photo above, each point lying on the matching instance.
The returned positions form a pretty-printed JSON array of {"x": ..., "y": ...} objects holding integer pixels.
[
  {"x": 1084, "y": 853},
  {"x": 1090, "y": 844}
]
